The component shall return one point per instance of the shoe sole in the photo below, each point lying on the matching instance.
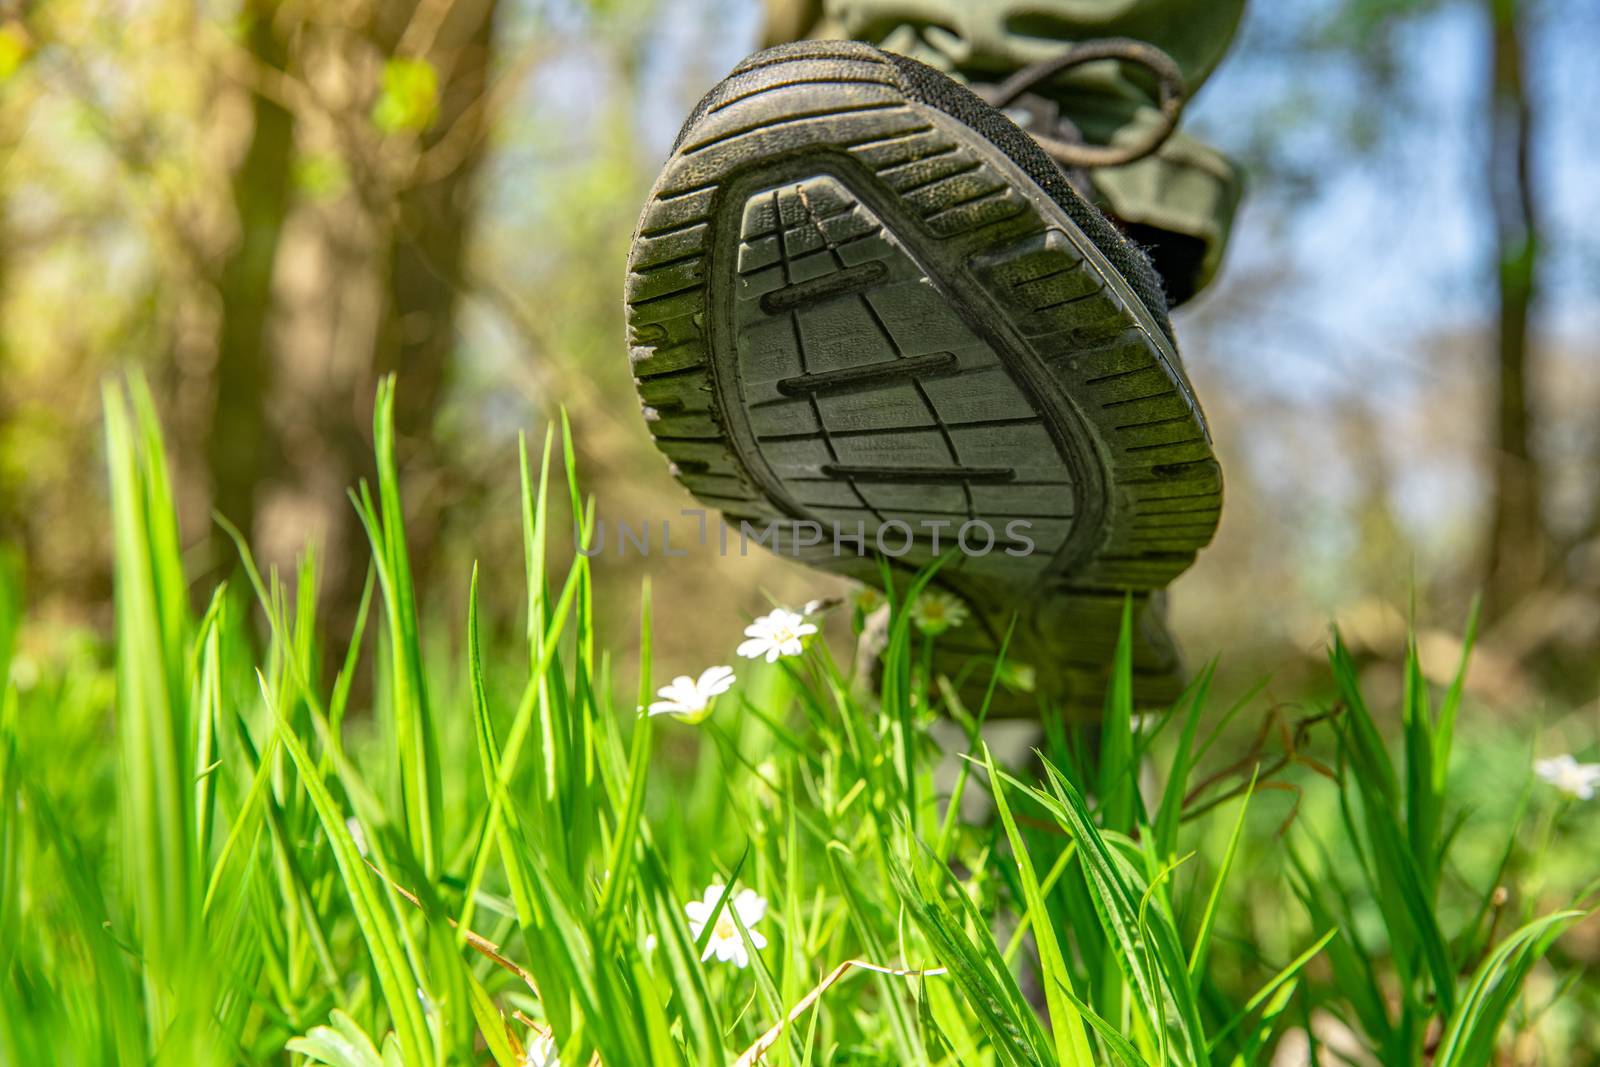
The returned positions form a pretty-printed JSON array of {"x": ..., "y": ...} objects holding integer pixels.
[{"x": 848, "y": 308}]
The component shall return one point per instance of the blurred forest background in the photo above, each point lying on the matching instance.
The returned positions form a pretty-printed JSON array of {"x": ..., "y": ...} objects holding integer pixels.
[{"x": 266, "y": 205}]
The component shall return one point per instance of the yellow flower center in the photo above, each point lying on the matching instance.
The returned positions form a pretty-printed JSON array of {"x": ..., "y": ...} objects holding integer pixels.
[{"x": 725, "y": 930}]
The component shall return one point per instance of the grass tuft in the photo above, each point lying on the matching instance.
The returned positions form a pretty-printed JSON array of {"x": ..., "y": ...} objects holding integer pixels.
[{"x": 485, "y": 863}]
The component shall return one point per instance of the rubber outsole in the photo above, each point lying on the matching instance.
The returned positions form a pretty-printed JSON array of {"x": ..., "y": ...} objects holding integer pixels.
[{"x": 853, "y": 316}]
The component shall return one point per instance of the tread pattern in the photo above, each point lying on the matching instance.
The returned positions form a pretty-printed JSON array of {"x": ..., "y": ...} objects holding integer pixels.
[
  {"x": 852, "y": 371},
  {"x": 911, "y": 441}
]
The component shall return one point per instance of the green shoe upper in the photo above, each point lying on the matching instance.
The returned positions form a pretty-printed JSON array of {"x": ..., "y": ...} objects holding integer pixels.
[{"x": 1178, "y": 201}]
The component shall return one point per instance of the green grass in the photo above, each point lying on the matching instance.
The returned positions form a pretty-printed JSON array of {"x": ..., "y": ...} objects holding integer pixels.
[{"x": 221, "y": 853}]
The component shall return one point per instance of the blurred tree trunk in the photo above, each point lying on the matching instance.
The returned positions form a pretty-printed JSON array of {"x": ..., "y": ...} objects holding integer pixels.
[
  {"x": 372, "y": 274},
  {"x": 432, "y": 225},
  {"x": 1517, "y": 544},
  {"x": 242, "y": 451},
  {"x": 433, "y": 216}
]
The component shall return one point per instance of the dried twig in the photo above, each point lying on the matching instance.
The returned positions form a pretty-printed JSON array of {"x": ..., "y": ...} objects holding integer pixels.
[
  {"x": 765, "y": 1042},
  {"x": 482, "y": 944},
  {"x": 752, "y": 1054},
  {"x": 1293, "y": 741}
]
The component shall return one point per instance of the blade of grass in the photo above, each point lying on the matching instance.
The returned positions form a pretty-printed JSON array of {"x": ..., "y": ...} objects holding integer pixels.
[
  {"x": 1118, "y": 787},
  {"x": 1110, "y": 880},
  {"x": 975, "y": 966},
  {"x": 1277, "y": 980},
  {"x": 1202, "y": 940},
  {"x": 1469, "y": 1037},
  {"x": 1066, "y": 1021},
  {"x": 629, "y": 819},
  {"x": 1445, "y": 729},
  {"x": 396, "y": 979},
  {"x": 1170, "y": 813},
  {"x": 155, "y": 726},
  {"x": 1121, "y": 1048},
  {"x": 415, "y": 738}
]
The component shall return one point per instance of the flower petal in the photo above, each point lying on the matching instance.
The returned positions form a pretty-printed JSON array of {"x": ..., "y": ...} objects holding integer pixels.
[
  {"x": 750, "y": 906},
  {"x": 715, "y": 681},
  {"x": 681, "y": 691}
]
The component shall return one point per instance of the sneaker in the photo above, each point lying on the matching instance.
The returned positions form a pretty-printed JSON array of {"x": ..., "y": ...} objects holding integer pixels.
[{"x": 866, "y": 312}]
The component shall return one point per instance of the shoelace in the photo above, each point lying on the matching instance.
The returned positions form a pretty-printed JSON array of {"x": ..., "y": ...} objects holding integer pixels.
[{"x": 1074, "y": 154}]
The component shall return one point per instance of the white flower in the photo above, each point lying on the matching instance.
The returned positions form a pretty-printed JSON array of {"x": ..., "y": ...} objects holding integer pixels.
[
  {"x": 775, "y": 634},
  {"x": 691, "y": 697},
  {"x": 1568, "y": 775},
  {"x": 725, "y": 942},
  {"x": 542, "y": 1051},
  {"x": 936, "y": 612}
]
